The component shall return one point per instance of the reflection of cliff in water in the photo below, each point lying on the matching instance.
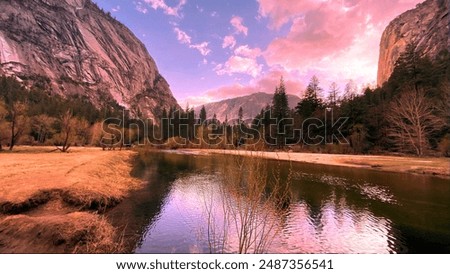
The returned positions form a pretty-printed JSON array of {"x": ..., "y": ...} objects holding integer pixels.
[
  {"x": 158, "y": 171},
  {"x": 331, "y": 209},
  {"x": 134, "y": 214}
]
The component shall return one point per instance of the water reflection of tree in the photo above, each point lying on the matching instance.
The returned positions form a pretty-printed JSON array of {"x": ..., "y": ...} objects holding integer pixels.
[
  {"x": 136, "y": 215},
  {"x": 253, "y": 202}
]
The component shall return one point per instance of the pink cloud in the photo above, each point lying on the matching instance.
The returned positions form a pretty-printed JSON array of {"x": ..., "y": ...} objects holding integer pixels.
[
  {"x": 335, "y": 38},
  {"x": 115, "y": 9},
  {"x": 182, "y": 36},
  {"x": 248, "y": 52},
  {"x": 194, "y": 101},
  {"x": 265, "y": 83},
  {"x": 243, "y": 61},
  {"x": 237, "y": 23},
  {"x": 229, "y": 42},
  {"x": 230, "y": 91},
  {"x": 140, "y": 7},
  {"x": 281, "y": 12},
  {"x": 202, "y": 48},
  {"x": 161, "y": 4},
  {"x": 239, "y": 64},
  {"x": 217, "y": 94},
  {"x": 270, "y": 80}
]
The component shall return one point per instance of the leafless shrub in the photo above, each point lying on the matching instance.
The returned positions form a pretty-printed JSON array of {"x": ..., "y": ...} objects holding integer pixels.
[{"x": 252, "y": 202}]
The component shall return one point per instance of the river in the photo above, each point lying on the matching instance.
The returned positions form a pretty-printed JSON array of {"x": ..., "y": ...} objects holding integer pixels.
[{"x": 182, "y": 209}]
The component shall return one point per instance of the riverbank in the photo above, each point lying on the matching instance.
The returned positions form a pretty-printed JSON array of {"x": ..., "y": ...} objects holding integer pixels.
[
  {"x": 52, "y": 202},
  {"x": 427, "y": 166}
]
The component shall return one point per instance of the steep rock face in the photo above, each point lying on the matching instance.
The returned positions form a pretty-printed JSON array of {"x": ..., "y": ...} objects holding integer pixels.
[
  {"x": 72, "y": 47},
  {"x": 426, "y": 27},
  {"x": 251, "y": 106}
]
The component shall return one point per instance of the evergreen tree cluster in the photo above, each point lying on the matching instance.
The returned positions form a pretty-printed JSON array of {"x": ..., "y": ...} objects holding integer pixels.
[
  {"x": 365, "y": 125},
  {"x": 369, "y": 120},
  {"x": 314, "y": 125}
]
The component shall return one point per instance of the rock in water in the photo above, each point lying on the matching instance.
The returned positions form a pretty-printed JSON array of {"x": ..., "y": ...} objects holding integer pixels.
[
  {"x": 72, "y": 47},
  {"x": 426, "y": 27}
]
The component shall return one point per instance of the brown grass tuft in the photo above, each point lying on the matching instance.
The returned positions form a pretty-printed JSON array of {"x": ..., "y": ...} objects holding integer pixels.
[
  {"x": 90, "y": 201},
  {"x": 40, "y": 198},
  {"x": 78, "y": 232}
]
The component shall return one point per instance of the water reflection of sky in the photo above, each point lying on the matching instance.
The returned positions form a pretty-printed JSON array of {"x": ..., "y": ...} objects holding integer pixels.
[
  {"x": 331, "y": 225},
  {"x": 337, "y": 229}
]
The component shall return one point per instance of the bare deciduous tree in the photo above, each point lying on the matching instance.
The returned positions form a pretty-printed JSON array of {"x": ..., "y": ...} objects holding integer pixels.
[
  {"x": 333, "y": 95},
  {"x": 82, "y": 131},
  {"x": 42, "y": 126},
  {"x": 412, "y": 121},
  {"x": 18, "y": 122},
  {"x": 3, "y": 124},
  {"x": 350, "y": 91},
  {"x": 67, "y": 131},
  {"x": 72, "y": 130},
  {"x": 444, "y": 106}
]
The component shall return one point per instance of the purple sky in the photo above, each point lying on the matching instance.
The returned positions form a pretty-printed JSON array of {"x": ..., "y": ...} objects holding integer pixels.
[{"x": 211, "y": 50}]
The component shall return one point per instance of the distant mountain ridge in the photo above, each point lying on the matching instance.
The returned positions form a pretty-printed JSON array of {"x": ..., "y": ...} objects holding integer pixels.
[
  {"x": 251, "y": 106},
  {"x": 71, "y": 47}
]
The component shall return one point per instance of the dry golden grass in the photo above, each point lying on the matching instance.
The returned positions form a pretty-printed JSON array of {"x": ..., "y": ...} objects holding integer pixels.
[
  {"x": 83, "y": 170},
  {"x": 59, "y": 196},
  {"x": 78, "y": 232}
]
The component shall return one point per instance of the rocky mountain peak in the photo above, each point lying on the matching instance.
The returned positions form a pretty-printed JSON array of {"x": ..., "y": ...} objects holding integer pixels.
[{"x": 72, "y": 47}]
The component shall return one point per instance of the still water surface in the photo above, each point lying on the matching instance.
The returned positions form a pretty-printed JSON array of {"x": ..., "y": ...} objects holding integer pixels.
[{"x": 332, "y": 210}]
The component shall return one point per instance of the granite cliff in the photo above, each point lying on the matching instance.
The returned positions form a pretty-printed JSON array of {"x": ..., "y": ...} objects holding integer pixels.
[
  {"x": 426, "y": 28},
  {"x": 72, "y": 47}
]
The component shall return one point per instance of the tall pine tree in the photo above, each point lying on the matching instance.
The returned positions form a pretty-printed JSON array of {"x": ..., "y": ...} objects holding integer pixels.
[
  {"x": 311, "y": 101},
  {"x": 202, "y": 115},
  {"x": 280, "y": 111}
]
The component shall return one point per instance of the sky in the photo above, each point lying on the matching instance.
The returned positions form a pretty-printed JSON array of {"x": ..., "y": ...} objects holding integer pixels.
[{"x": 209, "y": 50}]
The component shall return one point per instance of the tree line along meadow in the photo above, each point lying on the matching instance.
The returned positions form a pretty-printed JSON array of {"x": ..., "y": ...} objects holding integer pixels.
[{"x": 409, "y": 114}]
